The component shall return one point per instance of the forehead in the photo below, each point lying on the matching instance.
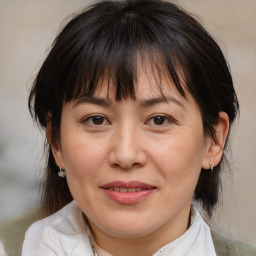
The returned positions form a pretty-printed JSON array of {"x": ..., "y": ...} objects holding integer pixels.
[
  {"x": 150, "y": 89},
  {"x": 149, "y": 83},
  {"x": 141, "y": 72}
]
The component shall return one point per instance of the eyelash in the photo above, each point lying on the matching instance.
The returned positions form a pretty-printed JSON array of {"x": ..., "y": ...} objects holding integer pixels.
[
  {"x": 86, "y": 120},
  {"x": 167, "y": 119}
]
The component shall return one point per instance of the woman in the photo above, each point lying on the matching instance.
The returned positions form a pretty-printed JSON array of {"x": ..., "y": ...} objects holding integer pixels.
[{"x": 137, "y": 102}]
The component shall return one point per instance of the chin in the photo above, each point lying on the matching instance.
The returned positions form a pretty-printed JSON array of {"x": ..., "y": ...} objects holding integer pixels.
[
  {"x": 128, "y": 232},
  {"x": 127, "y": 229}
]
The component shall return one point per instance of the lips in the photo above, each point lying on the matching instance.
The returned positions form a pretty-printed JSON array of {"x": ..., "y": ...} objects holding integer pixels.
[
  {"x": 128, "y": 185},
  {"x": 125, "y": 190},
  {"x": 128, "y": 192}
]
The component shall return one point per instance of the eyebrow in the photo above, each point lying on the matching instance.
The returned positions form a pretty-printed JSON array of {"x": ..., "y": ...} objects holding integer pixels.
[
  {"x": 144, "y": 103},
  {"x": 155, "y": 101},
  {"x": 94, "y": 100}
]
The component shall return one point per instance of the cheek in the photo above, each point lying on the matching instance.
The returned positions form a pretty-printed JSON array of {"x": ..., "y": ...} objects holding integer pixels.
[
  {"x": 179, "y": 159},
  {"x": 179, "y": 165},
  {"x": 82, "y": 156}
]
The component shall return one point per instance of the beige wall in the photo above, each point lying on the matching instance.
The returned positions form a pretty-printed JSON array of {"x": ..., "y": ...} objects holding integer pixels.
[{"x": 27, "y": 28}]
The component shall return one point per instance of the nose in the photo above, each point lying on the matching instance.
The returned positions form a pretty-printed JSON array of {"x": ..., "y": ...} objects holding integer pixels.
[{"x": 127, "y": 150}]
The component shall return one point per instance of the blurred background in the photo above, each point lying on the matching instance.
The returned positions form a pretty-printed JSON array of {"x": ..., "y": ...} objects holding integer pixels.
[{"x": 28, "y": 27}]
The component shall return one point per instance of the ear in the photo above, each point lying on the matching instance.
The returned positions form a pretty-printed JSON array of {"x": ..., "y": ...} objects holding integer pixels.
[
  {"x": 214, "y": 148},
  {"x": 56, "y": 149}
]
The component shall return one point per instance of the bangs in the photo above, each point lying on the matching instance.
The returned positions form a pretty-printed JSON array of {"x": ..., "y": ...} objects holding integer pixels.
[
  {"x": 114, "y": 51},
  {"x": 121, "y": 73}
]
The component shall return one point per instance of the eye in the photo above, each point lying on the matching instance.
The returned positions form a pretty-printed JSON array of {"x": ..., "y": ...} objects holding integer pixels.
[
  {"x": 96, "y": 120},
  {"x": 160, "y": 120}
]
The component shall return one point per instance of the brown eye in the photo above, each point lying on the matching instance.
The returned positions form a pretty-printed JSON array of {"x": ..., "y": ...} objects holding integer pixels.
[
  {"x": 96, "y": 120},
  {"x": 159, "y": 120}
]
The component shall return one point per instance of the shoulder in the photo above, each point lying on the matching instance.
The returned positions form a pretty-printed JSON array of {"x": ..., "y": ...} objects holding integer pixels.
[
  {"x": 226, "y": 246},
  {"x": 59, "y": 222},
  {"x": 56, "y": 234}
]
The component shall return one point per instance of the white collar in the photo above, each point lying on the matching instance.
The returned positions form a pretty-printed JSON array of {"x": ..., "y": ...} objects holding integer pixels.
[
  {"x": 196, "y": 241},
  {"x": 65, "y": 233}
]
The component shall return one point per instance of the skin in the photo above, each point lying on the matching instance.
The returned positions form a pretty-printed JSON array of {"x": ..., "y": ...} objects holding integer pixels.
[{"x": 131, "y": 142}]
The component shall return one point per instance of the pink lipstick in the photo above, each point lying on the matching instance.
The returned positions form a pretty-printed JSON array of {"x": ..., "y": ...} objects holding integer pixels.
[{"x": 127, "y": 192}]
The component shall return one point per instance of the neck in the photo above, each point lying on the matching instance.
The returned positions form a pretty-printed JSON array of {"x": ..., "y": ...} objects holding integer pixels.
[{"x": 151, "y": 242}]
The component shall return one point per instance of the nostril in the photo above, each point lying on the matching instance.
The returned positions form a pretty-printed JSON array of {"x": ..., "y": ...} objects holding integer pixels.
[
  {"x": 126, "y": 159},
  {"x": 127, "y": 166}
]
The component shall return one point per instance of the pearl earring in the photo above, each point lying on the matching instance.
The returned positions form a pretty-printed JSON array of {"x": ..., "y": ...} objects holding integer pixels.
[
  {"x": 211, "y": 166},
  {"x": 61, "y": 173}
]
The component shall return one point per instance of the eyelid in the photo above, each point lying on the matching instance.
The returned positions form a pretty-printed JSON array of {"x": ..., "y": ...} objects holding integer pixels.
[
  {"x": 170, "y": 118},
  {"x": 88, "y": 117}
]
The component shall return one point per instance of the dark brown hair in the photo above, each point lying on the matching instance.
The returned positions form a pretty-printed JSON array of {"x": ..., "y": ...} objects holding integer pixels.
[{"x": 106, "y": 40}]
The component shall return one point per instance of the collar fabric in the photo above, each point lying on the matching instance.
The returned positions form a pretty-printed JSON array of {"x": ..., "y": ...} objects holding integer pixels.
[{"x": 65, "y": 233}]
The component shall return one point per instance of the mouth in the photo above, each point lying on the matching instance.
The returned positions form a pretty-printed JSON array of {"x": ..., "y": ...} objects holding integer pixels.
[{"x": 128, "y": 192}]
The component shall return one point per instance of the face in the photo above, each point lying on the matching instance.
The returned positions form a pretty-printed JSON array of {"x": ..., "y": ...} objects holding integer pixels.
[{"x": 132, "y": 166}]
